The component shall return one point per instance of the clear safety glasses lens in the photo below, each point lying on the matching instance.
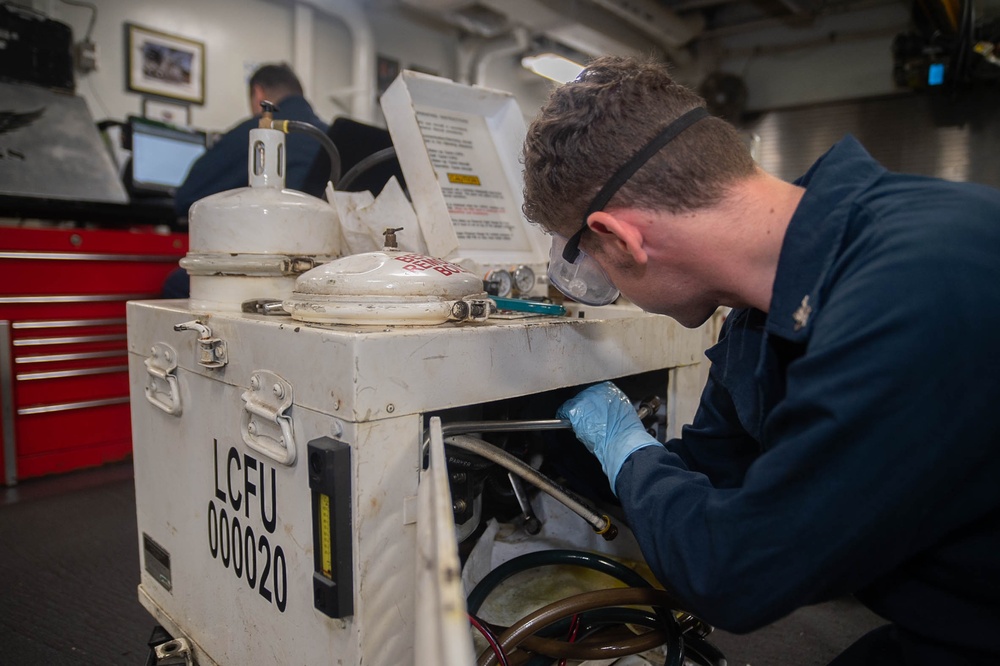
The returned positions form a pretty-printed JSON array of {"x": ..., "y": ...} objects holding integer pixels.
[{"x": 583, "y": 279}]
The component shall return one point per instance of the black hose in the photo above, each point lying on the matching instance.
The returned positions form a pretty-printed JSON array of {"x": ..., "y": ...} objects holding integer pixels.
[
  {"x": 324, "y": 140},
  {"x": 701, "y": 652},
  {"x": 601, "y": 523},
  {"x": 364, "y": 165}
]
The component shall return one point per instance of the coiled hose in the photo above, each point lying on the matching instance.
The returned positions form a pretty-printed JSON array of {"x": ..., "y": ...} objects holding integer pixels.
[
  {"x": 669, "y": 629},
  {"x": 543, "y": 617}
]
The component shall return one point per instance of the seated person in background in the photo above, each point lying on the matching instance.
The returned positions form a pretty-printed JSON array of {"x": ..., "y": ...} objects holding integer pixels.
[{"x": 224, "y": 166}]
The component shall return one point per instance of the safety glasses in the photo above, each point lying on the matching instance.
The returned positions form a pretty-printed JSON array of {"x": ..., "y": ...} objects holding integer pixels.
[
  {"x": 581, "y": 278},
  {"x": 571, "y": 270}
]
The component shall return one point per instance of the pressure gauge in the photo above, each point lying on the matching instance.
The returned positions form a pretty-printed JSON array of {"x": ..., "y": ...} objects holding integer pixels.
[
  {"x": 524, "y": 280},
  {"x": 499, "y": 283}
]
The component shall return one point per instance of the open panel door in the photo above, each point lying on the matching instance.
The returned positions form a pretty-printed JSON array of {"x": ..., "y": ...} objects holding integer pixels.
[{"x": 442, "y": 623}]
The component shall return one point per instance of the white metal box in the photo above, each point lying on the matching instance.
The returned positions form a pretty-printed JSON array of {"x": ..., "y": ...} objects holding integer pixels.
[
  {"x": 287, "y": 511},
  {"x": 224, "y": 409}
]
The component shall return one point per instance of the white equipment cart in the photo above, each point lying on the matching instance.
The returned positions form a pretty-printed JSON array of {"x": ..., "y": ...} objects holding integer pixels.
[{"x": 292, "y": 495}]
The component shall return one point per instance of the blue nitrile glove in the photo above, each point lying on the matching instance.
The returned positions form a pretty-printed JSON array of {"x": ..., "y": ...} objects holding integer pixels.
[{"x": 605, "y": 421}]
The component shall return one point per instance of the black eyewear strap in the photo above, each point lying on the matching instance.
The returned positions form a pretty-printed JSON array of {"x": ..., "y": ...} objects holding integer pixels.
[{"x": 627, "y": 170}]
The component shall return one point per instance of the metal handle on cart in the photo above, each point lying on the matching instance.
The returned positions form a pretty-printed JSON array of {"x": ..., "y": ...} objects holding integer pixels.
[
  {"x": 160, "y": 366},
  {"x": 268, "y": 399}
]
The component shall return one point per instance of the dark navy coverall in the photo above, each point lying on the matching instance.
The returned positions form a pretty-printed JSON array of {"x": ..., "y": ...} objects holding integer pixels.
[
  {"x": 848, "y": 441},
  {"x": 224, "y": 166}
]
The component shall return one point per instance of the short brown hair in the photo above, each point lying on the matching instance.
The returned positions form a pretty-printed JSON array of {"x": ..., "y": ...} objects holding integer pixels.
[{"x": 591, "y": 126}]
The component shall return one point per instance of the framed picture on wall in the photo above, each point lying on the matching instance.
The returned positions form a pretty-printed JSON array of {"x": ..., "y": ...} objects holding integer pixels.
[{"x": 164, "y": 65}]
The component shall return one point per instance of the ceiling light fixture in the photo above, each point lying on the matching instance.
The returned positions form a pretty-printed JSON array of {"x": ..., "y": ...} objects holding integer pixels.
[{"x": 552, "y": 66}]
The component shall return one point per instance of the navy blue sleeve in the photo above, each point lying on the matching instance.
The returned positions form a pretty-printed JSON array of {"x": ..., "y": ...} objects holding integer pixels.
[
  {"x": 223, "y": 167},
  {"x": 300, "y": 151},
  {"x": 884, "y": 446}
]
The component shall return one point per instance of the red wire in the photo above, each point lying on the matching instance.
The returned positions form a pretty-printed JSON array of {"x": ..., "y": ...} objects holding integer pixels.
[
  {"x": 490, "y": 638},
  {"x": 574, "y": 627}
]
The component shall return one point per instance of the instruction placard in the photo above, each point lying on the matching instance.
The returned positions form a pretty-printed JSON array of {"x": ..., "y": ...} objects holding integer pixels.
[{"x": 482, "y": 208}]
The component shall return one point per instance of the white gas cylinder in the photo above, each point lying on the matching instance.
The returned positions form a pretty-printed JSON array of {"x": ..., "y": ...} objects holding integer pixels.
[{"x": 251, "y": 243}]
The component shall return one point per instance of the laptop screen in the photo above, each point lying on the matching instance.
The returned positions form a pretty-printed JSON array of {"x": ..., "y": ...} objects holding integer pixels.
[{"x": 162, "y": 155}]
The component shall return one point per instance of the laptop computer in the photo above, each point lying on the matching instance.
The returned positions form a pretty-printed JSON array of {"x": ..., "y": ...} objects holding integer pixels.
[{"x": 162, "y": 155}]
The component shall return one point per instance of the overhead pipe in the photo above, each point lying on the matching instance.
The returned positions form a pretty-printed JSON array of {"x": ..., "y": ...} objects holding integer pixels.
[
  {"x": 515, "y": 42},
  {"x": 670, "y": 30},
  {"x": 362, "y": 89},
  {"x": 764, "y": 24}
]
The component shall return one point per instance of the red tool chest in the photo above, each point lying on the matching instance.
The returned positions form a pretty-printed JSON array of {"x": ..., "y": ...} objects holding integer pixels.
[{"x": 64, "y": 392}]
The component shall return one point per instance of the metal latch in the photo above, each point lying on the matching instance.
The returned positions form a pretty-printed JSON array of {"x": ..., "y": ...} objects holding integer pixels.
[
  {"x": 265, "y": 424},
  {"x": 211, "y": 351},
  {"x": 265, "y": 306},
  {"x": 472, "y": 309},
  {"x": 161, "y": 388}
]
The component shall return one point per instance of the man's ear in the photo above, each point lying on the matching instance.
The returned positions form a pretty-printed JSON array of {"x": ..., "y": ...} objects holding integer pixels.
[
  {"x": 257, "y": 95},
  {"x": 622, "y": 231}
]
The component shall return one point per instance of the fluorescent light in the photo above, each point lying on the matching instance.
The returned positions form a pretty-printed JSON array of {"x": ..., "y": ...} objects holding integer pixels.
[{"x": 552, "y": 66}]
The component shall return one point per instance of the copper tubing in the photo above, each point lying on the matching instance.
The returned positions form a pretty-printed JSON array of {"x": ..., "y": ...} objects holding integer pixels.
[
  {"x": 602, "y": 646},
  {"x": 543, "y": 617}
]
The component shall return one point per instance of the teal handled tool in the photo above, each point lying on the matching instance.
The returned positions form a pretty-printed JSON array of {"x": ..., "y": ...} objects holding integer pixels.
[{"x": 520, "y": 305}]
